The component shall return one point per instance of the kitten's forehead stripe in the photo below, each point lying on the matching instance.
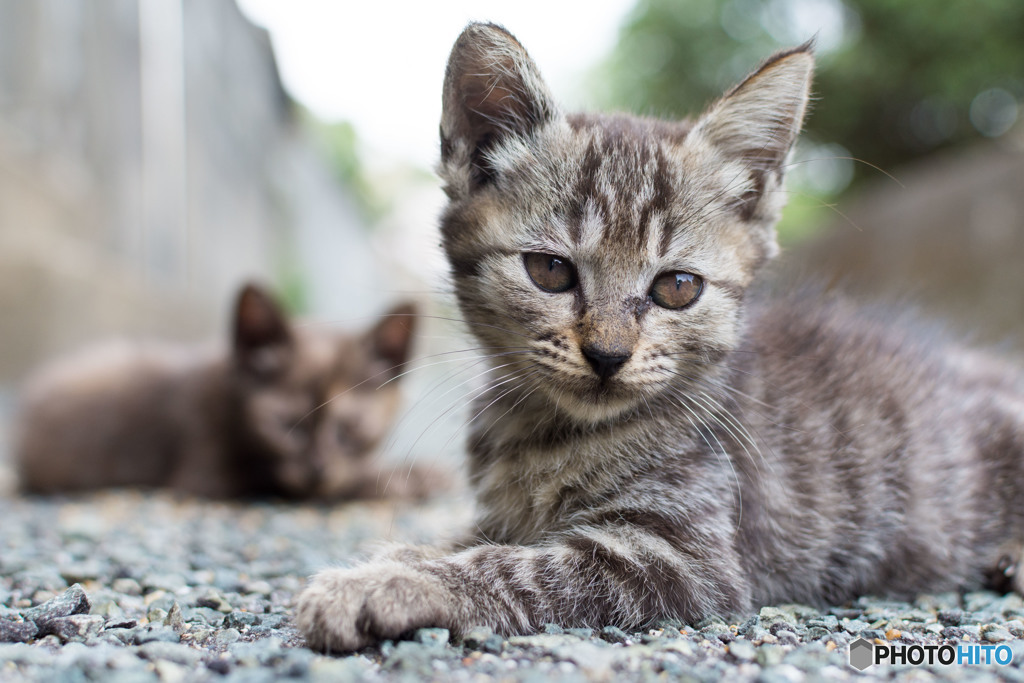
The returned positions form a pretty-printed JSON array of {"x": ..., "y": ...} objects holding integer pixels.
[
  {"x": 585, "y": 190},
  {"x": 625, "y": 174}
]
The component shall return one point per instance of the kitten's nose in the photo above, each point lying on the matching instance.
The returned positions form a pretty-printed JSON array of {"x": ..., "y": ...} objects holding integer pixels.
[{"x": 604, "y": 364}]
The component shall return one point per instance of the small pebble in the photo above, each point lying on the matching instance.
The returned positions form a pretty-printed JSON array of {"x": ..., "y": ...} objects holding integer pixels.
[
  {"x": 241, "y": 620},
  {"x": 997, "y": 634},
  {"x": 742, "y": 650},
  {"x": 432, "y": 637},
  {"x": 127, "y": 586},
  {"x": 216, "y": 601}
]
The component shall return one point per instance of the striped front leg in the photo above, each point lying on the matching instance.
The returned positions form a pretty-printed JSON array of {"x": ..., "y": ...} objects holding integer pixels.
[{"x": 618, "y": 573}]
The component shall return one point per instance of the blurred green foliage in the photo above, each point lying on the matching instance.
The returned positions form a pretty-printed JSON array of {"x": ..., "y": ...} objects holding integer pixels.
[
  {"x": 339, "y": 142},
  {"x": 896, "y": 79}
]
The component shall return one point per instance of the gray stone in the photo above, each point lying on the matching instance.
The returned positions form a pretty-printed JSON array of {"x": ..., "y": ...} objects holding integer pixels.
[
  {"x": 951, "y": 617},
  {"x": 781, "y": 626},
  {"x": 226, "y": 637},
  {"x": 156, "y": 615},
  {"x": 996, "y": 634},
  {"x": 748, "y": 625},
  {"x": 74, "y": 627},
  {"x": 773, "y": 615},
  {"x": 241, "y": 620},
  {"x": 174, "y": 619},
  {"x": 198, "y": 635},
  {"x": 432, "y": 637},
  {"x": 613, "y": 634},
  {"x": 757, "y": 634},
  {"x": 476, "y": 636},
  {"x": 787, "y": 637},
  {"x": 73, "y": 601},
  {"x": 816, "y": 633},
  {"x": 216, "y": 601},
  {"x": 204, "y": 615},
  {"x": 274, "y": 621},
  {"x": 125, "y": 635},
  {"x": 17, "y": 631},
  {"x": 126, "y": 586},
  {"x": 742, "y": 650},
  {"x": 827, "y": 621},
  {"x": 104, "y": 638},
  {"x": 495, "y": 644},
  {"x": 107, "y": 608},
  {"x": 770, "y": 655},
  {"x": 714, "y": 630},
  {"x": 713, "y": 620}
]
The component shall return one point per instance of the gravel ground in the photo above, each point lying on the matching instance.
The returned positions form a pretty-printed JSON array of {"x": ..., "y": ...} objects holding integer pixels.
[{"x": 124, "y": 586}]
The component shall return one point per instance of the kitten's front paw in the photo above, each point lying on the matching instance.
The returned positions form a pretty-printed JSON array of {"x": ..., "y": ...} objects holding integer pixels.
[{"x": 347, "y": 609}]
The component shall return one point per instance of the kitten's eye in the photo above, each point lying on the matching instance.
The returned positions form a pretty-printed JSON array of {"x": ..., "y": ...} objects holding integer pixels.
[
  {"x": 676, "y": 290},
  {"x": 549, "y": 272}
]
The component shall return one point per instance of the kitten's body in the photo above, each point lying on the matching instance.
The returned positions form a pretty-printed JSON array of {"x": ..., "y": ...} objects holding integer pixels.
[
  {"x": 290, "y": 411},
  {"x": 685, "y": 451}
]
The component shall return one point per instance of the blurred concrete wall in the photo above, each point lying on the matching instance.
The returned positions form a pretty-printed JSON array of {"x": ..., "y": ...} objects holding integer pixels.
[
  {"x": 946, "y": 236},
  {"x": 149, "y": 161}
]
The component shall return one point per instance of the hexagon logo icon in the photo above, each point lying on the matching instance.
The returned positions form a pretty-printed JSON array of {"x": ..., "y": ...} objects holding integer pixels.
[{"x": 862, "y": 654}]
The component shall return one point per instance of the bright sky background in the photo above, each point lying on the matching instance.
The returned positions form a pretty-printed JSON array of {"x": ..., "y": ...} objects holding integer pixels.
[{"x": 380, "y": 65}]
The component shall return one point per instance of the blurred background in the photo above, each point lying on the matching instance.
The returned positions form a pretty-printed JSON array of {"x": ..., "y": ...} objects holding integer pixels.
[{"x": 156, "y": 153}]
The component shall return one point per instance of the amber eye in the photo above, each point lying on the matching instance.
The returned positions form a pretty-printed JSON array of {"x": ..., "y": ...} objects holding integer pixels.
[
  {"x": 676, "y": 290},
  {"x": 549, "y": 272}
]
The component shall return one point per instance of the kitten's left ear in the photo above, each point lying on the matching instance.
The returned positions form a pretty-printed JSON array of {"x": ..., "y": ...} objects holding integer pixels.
[
  {"x": 391, "y": 339},
  {"x": 262, "y": 337},
  {"x": 757, "y": 122},
  {"x": 492, "y": 91}
]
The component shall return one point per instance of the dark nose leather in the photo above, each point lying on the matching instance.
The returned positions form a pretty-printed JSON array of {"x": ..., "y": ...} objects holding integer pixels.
[{"x": 604, "y": 364}]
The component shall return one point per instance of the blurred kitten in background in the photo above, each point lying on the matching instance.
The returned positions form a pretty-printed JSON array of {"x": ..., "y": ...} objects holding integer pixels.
[{"x": 293, "y": 411}]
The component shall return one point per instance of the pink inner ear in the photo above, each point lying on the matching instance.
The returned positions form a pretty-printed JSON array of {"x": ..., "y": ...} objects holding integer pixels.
[
  {"x": 491, "y": 95},
  {"x": 393, "y": 336}
]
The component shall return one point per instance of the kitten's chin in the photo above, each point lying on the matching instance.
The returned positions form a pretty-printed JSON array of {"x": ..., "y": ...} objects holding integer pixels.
[{"x": 593, "y": 407}]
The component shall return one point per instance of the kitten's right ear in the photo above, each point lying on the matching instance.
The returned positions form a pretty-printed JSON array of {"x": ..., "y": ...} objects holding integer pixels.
[
  {"x": 262, "y": 336},
  {"x": 757, "y": 122},
  {"x": 492, "y": 91}
]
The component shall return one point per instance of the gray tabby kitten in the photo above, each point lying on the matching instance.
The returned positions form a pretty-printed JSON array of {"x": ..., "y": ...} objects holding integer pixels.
[{"x": 661, "y": 444}]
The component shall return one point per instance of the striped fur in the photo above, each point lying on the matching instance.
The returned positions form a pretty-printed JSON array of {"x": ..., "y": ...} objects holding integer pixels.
[{"x": 747, "y": 451}]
